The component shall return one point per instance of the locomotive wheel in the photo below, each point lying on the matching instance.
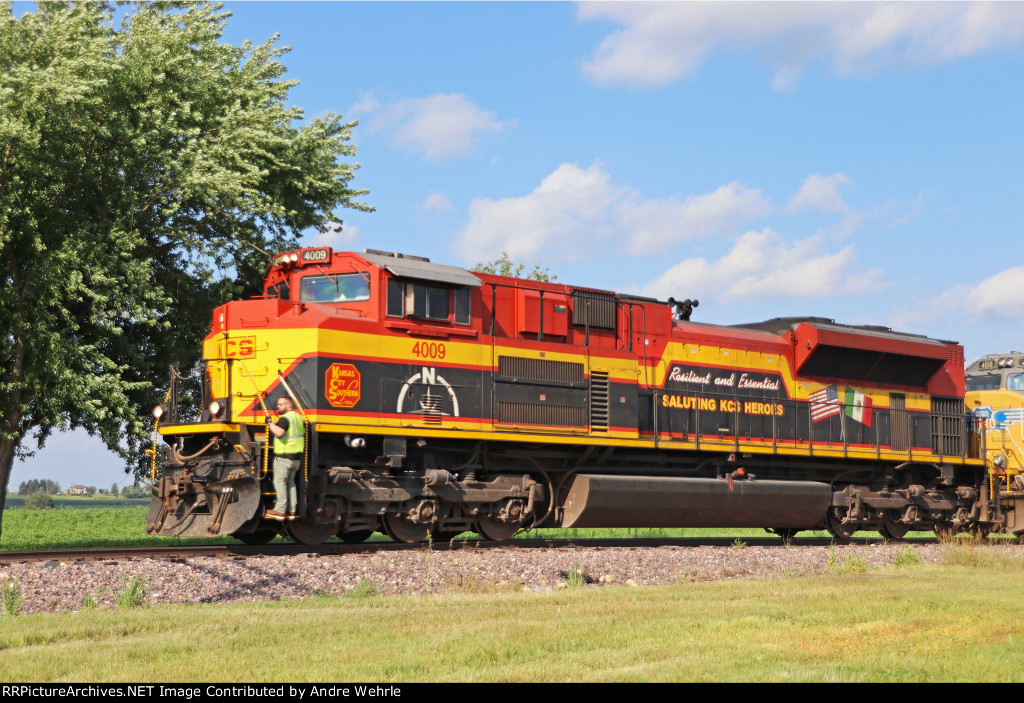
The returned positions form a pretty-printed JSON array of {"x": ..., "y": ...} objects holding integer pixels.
[
  {"x": 841, "y": 532},
  {"x": 892, "y": 526},
  {"x": 306, "y": 532},
  {"x": 496, "y": 530},
  {"x": 256, "y": 538},
  {"x": 402, "y": 530},
  {"x": 355, "y": 536}
]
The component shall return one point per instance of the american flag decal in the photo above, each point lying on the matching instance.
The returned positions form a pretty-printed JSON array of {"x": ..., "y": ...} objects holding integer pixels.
[{"x": 825, "y": 403}]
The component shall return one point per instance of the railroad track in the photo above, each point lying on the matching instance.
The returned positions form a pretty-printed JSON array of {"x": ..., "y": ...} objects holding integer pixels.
[{"x": 337, "y": 548}]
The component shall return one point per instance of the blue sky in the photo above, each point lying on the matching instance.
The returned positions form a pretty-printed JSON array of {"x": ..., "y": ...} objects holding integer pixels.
[{"x": 857, "y": 161}]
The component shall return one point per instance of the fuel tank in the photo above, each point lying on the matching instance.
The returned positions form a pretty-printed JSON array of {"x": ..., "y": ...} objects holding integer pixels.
[{"x": 665, "y": 501}]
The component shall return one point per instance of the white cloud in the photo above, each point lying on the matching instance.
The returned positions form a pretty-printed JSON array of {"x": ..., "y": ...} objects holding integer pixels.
[
  {"x": 441, "y": 126},
  {"x": 336, "y": 236},
  {"x": 367, "y": 103},
  {"x": 998, "y": 296},
  {"x": 761, "y": 266},
  {"x": 820, "y": 193},
  {"x": 566, "y": 212},
  {"x": 659, "y": 43},
  {"x": 994, "y": 299},
  {"x": 574, "y": 210},
  {"x": 436, "y": 202},
  {"x": 653, "y": 224}
]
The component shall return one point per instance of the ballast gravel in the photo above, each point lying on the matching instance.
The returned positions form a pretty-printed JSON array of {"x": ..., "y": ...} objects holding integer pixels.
[{"x": 49, "y": 587}]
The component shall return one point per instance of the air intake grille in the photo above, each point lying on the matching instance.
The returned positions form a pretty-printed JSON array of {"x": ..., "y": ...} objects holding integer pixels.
[
  {"x": 947, "y": 426},
  {"x": 598, "y": 401},
  {"x": 955, "y": 355},
  {"x": 599, "y": 307},
  {"x": 900, "y": 422},
  {"x": 518, "y": 368},
  {"x": 510, "y": 412}
]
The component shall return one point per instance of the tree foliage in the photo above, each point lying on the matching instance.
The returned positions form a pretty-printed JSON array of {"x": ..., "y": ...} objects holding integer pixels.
[
  {"x": 40, "y": 500},
  {"x": 144, "y": 165},
  {"x": 135, "y": 492},
  {"x": 34, "y": 485},
  {"x": 504, "y": 266}
]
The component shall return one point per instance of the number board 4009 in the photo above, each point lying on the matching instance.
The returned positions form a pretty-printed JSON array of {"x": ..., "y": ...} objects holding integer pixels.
[{"x": 429, "y": 350}]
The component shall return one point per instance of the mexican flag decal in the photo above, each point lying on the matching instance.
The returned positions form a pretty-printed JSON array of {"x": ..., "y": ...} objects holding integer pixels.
[{"x": 858, "y": 406}]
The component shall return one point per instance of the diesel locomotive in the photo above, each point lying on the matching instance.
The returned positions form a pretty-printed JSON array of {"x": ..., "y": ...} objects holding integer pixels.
[
  {"x": 438, "y": 400},
  {"x": 995, "y": 398}
]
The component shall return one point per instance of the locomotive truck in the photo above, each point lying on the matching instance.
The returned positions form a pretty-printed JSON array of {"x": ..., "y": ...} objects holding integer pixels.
[{"x": 438, "y": 400}]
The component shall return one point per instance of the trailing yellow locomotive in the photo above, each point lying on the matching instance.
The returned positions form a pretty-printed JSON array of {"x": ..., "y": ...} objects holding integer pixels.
[
  {"x": 437, "y": 400},
  {"x": 995, "y": 397}
]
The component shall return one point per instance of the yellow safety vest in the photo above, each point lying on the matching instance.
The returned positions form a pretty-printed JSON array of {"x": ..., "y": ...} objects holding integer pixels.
[{"x": 294, "y": 440}]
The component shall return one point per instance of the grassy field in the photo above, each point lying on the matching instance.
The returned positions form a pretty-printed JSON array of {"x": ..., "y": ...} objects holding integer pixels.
[
  {"x": 84, "y": 527},
  {"x": 102, "y": 527},
  {"x": 957, "y": 622},
  {"x": 961, "y": 621}
]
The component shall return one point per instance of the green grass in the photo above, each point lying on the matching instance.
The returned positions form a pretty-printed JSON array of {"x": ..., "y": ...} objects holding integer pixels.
[
  {"x": 929, "y": 623},
  {"x": 89, "y": 527},
  {"x": 133, "y": 592},
  {"x": 910, "y": 622},
  {"x": 102, "y": 527}
]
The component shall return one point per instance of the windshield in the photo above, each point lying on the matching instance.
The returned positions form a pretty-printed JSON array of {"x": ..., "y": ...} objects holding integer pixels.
[
  {"x": 336, "y": 288},
  {"x": 1015, "y": 382},
  {"x": 983, "y": 383}
]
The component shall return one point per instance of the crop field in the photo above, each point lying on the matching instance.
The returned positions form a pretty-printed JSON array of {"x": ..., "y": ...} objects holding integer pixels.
[
  {"x": 81, "y": 526},
  {"x": 15, "y": 502}
]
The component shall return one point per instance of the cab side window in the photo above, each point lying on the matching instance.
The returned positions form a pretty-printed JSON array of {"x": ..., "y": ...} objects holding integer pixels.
[{"x": 428, "y": 301}]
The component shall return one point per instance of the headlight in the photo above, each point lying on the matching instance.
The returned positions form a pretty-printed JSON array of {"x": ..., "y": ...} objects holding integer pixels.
[
  {"x": 158, "y": 412},
  {"x": 214, "y": 409}
]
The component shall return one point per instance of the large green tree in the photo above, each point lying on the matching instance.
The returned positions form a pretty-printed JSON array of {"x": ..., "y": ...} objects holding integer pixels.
[{"x": 145, "y": 166}]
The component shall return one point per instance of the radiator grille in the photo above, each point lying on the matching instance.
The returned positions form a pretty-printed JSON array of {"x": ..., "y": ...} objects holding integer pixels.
[
  {"x": 947, "y": 426},
  {"x": 510, "y": 412},
  {"x": 521, "y": 368},
  {"x": 598, "y": 401}
]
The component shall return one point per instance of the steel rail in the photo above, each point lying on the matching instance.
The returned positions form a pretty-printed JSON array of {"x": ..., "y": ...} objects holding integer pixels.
[{"x": 229, "y": 551}]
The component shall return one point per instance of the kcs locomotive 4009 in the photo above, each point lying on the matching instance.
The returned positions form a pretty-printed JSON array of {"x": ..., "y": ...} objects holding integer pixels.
[{"x": 438, "y": 400}]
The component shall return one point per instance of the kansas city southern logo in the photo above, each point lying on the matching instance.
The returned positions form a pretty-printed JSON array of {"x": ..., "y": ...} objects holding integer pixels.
[{"x": 342, "y": 385}]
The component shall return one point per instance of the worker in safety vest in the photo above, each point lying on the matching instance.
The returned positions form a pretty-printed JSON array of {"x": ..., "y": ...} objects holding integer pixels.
[{"x": 289, "y": 447}]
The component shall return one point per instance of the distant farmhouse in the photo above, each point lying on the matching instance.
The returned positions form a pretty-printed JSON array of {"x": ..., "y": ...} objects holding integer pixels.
[{"x": 77, "y": 490}]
